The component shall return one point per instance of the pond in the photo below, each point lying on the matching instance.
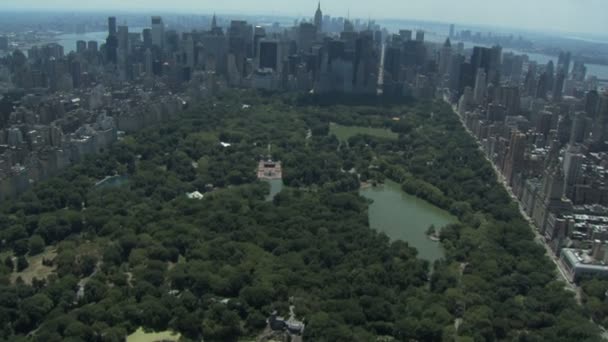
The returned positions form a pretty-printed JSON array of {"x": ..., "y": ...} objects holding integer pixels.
[
  {"x": 405, "y": 217},
  {"x": 276, "y": 185}
]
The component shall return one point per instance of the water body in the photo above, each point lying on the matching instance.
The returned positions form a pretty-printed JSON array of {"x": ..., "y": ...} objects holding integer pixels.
[
  {"x": 68, "y": 41},
  {"x": 112, "y": 182},
  {"x": 597, "y": 70},
  {"x": 405, "y": 217},
  {"x": 276, "y": 185}
]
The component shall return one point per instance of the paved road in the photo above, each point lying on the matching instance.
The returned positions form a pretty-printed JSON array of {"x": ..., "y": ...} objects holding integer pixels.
[{"x": 563, "y": 274}]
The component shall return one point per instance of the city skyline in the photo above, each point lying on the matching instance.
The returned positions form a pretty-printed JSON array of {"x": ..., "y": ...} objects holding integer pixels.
[{"x": 568, "y": 16}]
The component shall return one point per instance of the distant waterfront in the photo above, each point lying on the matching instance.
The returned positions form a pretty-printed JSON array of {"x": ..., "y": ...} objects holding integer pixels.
[{"x": 68, "y": 40}]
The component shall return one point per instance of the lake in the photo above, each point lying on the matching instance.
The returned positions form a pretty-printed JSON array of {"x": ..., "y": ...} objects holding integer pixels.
[{"x": 405, "y": 217}]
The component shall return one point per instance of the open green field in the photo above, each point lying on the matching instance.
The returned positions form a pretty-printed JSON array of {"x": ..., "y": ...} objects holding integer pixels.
[
  {"x": 36, "y": 269},
  {"x": 141, "y": 336},
  {"x": 343, "y": 133}
]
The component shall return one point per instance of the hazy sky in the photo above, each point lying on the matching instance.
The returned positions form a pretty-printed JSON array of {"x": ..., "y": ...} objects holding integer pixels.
[{"x": 590, "y": 16}]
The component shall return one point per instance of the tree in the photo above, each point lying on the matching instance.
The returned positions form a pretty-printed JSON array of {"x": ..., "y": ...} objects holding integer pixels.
[
  {"x": 36, "y": 245},
  {"x": 8, "y": 262},
  {"x": 22, "y": 263},
  {"x": 36, "y": 307}
]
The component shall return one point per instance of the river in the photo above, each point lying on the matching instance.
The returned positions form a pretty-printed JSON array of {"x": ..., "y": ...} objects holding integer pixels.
[
  {"x": 68, "y": 40},
  {"x": 405, "y": 217}
]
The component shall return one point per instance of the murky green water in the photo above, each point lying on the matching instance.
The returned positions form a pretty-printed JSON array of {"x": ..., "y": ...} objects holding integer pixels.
[
  {"x": 405, "y": 217},
  {"x": 276, "y": 185}
]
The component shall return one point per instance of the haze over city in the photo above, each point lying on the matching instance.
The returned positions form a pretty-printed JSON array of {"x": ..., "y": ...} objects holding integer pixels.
[{"x": 579, "y": 16}]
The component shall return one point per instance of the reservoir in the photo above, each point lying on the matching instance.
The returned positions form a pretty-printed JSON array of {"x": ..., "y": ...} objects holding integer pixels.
[{"x": 405, "y": 217}]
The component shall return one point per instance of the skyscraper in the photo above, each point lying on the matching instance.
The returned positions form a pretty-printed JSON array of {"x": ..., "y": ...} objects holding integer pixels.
[
  {"x": 445, "y": 58},
  {"x": 111, "y": 26},
  {"x": 112, "y": 42},
  {"x": 3, "y": 43},
  {"x": 268, "y": 54},
  {"x": 158, "y": 32},
  {"x": 515, "y": 158},
  {"x": 480, "y": 87},
  {"x": 214, "y": 22},
  {"x": 147, "y": 35},
  {"x": 563, "y": 62},
  {"x": 558, "y": 87},
  {"x": 420, "y": 36},
  {"x": 406, "y": 35},
  {"x": 481, "y": 58},
  {"x": 452, "y": 30},
  {"x": 306, "y": 36},
  {"x": 319, "y": 19}
]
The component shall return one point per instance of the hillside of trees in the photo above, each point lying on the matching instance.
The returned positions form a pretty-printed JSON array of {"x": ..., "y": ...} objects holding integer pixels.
[{"x": 143, "y": 254}]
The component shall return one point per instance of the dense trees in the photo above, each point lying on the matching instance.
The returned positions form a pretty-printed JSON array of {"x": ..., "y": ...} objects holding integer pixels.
[{"x": 142, "y": 254}]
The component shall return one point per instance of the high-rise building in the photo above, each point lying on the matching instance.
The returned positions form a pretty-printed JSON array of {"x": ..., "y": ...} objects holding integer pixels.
[
  {"x": 420, "y": 36},
  {"x": 480, "y": 87},
  {"x": 392, "y": 63},
  {"x": 445, "y": 58},
  {"x": 579, "y": 71},
  {"x": 600, "y": 128},
  {"x": 214, "y": 22},
  {"x": 112, "y": 42},
  {"x": 147, "y": 37},
  {"x": 259, "y": 32},
  {"x": 550, "y": 70},
  {"x": 3, "y": 43},
  {"x": 481, "y": 58},
  {"x": 579, "y": 129},
  {"x": 348, "y": 26},
  {"x": 515, "y": 157},
  {"x": 93, "y": 46},
  {"x": 452, "y": 31},
  {"x": 112, "y": 26},
  {"x": 307, "y": 33},
  {"x": 592, "y": 100},
  {"x": 268, "y": 57},
  {"x": 81, "y": 46},
  {"x": 509, "y": 97},
  {"x": 573, "y": 162},
  {"x": 563, "y": 62},
  {"x": 319, "y": 19},
  {"x": 558, "y": 87},
  {"x": 123, "y": 38},
  {"x": 406, "y": 35},
  {"x": 158, "y": 32}
]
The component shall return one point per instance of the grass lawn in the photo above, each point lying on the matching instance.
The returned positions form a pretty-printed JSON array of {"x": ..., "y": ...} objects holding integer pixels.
[
  {"x": 36, "y": 269},
  {"x": 141, "y": 336},
  {"x": 343, "y": 133}
]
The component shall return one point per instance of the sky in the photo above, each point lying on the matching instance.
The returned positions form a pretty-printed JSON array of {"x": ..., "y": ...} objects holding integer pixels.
[{"x": 576, "y": 16}]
